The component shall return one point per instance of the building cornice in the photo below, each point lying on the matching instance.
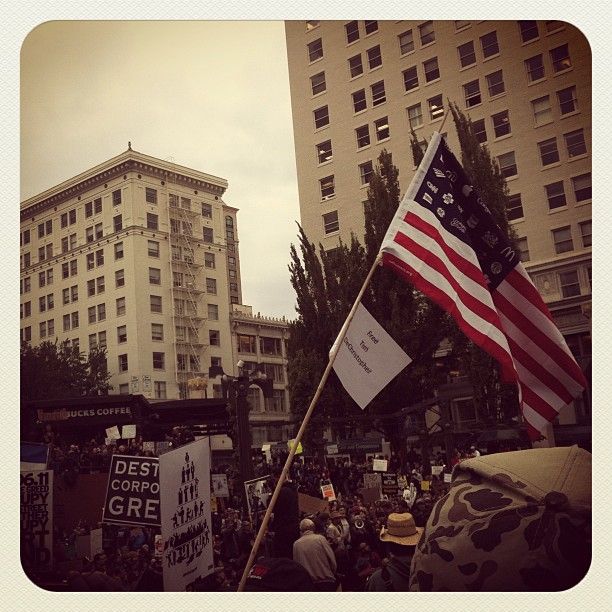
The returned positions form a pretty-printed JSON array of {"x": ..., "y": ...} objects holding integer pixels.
[{"x": 129, "y": 161}]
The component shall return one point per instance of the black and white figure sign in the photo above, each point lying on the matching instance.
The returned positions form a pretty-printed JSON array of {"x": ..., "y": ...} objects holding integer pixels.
[
  {"x": 36, "y": 519},
  {"x": 184, "y": 476},
  {"x": 132, "y": 495}
]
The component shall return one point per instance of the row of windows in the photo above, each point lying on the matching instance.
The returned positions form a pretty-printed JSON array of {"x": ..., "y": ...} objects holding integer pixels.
[{"x": 267, "y": 346}]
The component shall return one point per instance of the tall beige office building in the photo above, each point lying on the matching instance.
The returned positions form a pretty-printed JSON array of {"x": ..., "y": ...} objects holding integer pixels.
[
  {"x": 358, "y": 87},
  {"x": 138, "y": 255}
]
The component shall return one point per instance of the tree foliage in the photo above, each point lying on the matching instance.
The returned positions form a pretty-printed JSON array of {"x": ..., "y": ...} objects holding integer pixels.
[{"x": 59, "y": 370}]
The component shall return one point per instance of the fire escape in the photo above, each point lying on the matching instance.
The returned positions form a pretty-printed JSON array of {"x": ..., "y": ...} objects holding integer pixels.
[{"x": 186, "y": 291}]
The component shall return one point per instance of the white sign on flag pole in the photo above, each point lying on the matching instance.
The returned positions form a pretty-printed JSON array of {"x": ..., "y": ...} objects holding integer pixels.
[
  {"x": 368, "y": 359},
  {"x": 184, "y": 477}
]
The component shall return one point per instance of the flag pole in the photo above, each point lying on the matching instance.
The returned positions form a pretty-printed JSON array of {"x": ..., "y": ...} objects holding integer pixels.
[{"x": 306, "y": 419}]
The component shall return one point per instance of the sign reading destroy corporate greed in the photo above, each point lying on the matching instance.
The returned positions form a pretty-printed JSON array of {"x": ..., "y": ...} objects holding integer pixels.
[{"x": 132, "y": 495}]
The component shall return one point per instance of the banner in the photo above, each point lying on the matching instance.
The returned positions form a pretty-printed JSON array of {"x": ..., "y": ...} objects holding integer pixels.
[
  {"x": 389, "y": 483},
  {"x": 372, "y": 481},
  {"x": 369, "y": 359},
  {"x": 328, "y": 492},
  {"x": 36, "y": 533},
  {"x": 132, "y": 495},
  {"x": 219, "y": 485},
  {"x": 184, "y": 476},
  {"x": 257, "y": 493},
  {"x": 311, "y": 505}
]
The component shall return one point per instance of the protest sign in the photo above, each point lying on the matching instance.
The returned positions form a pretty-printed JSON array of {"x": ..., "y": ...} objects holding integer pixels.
[
  {"x": 370, "y": 495},
  {"x": 311, "y": 505},
  {"x": 389, "y": 483},
  {"x": 448, "y": 478},
  {"x": 379, "y": 465},
  {"x": 328, "y": 492},
  {"x": 132, "y": 495},
  {"x": 36, "y": 533},
  {"x": 184, "y": 476},
  {"x": 257, "y": 493},
  {"x": 425, "y": 485},
  {"x": 112, "y": 433},
  {"x": 159, "y": 546},
  {"x": 436, "y": 470},
  {"x": 148, "y": 446},
  {"x": 332, "y": 449},
  {"x": 299, "y": 450},
  {"x": 372, "y": 481},
  {"x": 402, "y": 482},
  {"x": 219, "y": 485},
  {"x": 128, "y": 432}
]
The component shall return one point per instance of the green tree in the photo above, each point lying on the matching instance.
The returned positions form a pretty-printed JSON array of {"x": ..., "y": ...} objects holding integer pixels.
[{"x": 58, "y": 370}]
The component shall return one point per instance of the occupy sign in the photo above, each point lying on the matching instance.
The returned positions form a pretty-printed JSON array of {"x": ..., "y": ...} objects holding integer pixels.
[
  {"x": 132, "y": 495},
  {"x": 37, "y": 519}
]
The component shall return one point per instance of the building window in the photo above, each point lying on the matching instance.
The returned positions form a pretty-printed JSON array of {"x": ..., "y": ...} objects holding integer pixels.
[
  {"x": 209, "y": 260},
  {"x": 501, "y": 124},
  {"x": 371, "y": 26},
  {"x": 159, "y": 389},
  {"x": 119, "y": 278},
  {"x": 159, "y": 361},
  {"x": 363, "y": 136},
  {"x": 74, "y": 319},
  {"x": 181, "y": 362},
  {"x": 427, "y": 33},
  {"x": 562, "y": 239},
  {"x": 327, "y": 187},
  {"x": 123, "y": 362},
  {"x": 330, "y": 222},
  {"x": 431, "y": 69},
  {"x": 535, "y": 68},
  {"x": 542, "y": 111},
  {"x": 122, "y": 334},
  {"x": 206, "y": 210},
  {"x": 118, "y": 250},
  {"x": 120, "y": 303},
  {"x": 91, "y": 287},
  {"x": 324, "y": 151},
  {"x": 233, "y": 286},
  {"x": 207, "y": 235},
  {"x": 415, "y": 115},
  {"x": 381, "y": 128},
  {"x": 154, "y": 276},
  {"x": 152, "y": 221},
  {"x": 582, "y": 187},
  {"x": 157, "y": 332},
  {"x": 471, "y": 92},
  {"x": 406, "y": 42},
  {"x": 467, "y": 54},
  {"x": 495, "y": 83},
  {"x": 352, "y": 31},
  {"x": 117, "y": 223},
  {"x": 156, "y": 303},
  {"x": 549, "y": 153},
  {"x": 321, "y": 117},
  {"x": 507, "y": 164},
  {"x": 355, "y": 65},
  {"x": 374, "y": 57},
  {"x": 152, "y": 248},
  {"x": 529, "y": 30},
  {"x": 436, "y": 107},
  {"x": 101, "y": 312},
  {"x": 555, "y": 194},
  {"x": 480, "y": 130},
  {"x": 568, "y": 281},
  {"x": 489, "y": 44},
  {"x": 214, "y": 337},
  {"x": 88, "y": 209},
  {"x": 116, "y": 197},
  {"x": 317, "y": 83},
  {"x": 26, "y": 334},
  {"x": 211, "y": 286},
  {"x": 585, "y": 233},
  {"x": 270, "y": 346},
  {"x": 523, "y": 248},
  {"x": 100, "y": 284},
  {"x": 151, "y": 195},
  {"x": 359, "y": 100},
  {"x": 315, "y": 50},
  {"x": 366, "y": 170},
  {"x": 560, "y": 58},
  {"x": 246, "y": 343},
  {"x": 411, "y": 78},
  {"x": 213, "y": 312},
  {"x": 515, "y": 207},
  {"x": 574, "y": 143},
  {"x": 378, "y": 93},
  {"x": 567, "y": 100}
]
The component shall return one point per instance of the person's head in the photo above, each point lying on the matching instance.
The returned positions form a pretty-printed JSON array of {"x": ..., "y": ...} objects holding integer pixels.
[
  {"x": 401, "y": 534},
  {"x": 99, "y": 562},
  {"x": 324, "y": 516},
  {"x": 336, "y": 517},
  {"x": 306, "y": 525},
  {"x": 364, "y": 549}
]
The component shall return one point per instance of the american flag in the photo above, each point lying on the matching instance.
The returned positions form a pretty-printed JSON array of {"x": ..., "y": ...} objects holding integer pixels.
[{"x": 444, "y": 240}]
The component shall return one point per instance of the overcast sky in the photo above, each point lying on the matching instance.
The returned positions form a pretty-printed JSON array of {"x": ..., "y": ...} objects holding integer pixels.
[{"x": 210, "y": 95}]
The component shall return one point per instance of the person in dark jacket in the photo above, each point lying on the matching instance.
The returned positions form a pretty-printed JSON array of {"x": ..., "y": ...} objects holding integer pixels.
[
  {"x": 400, "y": 537},
  {"x": 286, "y": 522}
]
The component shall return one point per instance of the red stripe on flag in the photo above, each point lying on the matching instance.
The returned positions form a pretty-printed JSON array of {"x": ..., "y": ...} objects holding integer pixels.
[
  {"x": 538, "y": 403},
  {"x": 525, "y": 287},
  {"x": 449, "y": 305}
]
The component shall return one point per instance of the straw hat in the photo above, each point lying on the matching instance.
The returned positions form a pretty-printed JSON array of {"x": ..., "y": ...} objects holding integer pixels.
[{"x": 401, "y": 529}]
